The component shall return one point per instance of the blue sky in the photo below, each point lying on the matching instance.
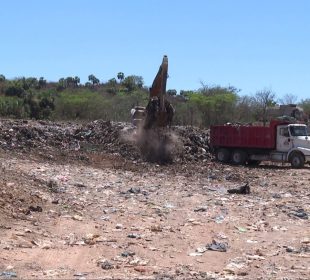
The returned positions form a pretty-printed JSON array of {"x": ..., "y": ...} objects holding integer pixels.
[{"x": 251, "y": 45}]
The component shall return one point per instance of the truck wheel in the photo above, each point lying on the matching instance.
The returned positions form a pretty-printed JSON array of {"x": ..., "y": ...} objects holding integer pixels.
[
  {"x": 222, "y": 155},
  {"x": 238, "y": 157},
  {"x": 297, "y": 160}
]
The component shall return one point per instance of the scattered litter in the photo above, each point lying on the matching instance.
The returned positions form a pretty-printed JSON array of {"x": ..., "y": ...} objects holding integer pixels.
[
  {"x": 133, "y": 235},
  {"x": 241, "y": 190},
  {"x": 156, "y": 228},
  {"x": 134, "y": 190},
  {"x": 128, "y": 254},
  {"x": 241, "y": 229},
  {"x": 255, "y": 257},
  {"x": 35, "y": 208},
  {"x": 8, "y": 274},
  {"x": 201, "y": 249},
  {"x": 217, "y": 246},
  {"x": 141, "y": 269},
  {"x": 80, "y": 185},
  {"x": 168, "y": 205},
  {"x": 219, "y": 219},
  {"x": 236, "y": 266},
  {"x": 105, "y": 264},
  {"x": 300, "y": 213},
  {"x": 201, "y": 209},
  {"x": 98, "y": 192},
  {"x": 252, "y": 241},
  {"x": 119, "y": 226},
  {"x": 195, "y": 254},
  {"x": 80, "y": 274},
  {"x": 77, "y": 218}
]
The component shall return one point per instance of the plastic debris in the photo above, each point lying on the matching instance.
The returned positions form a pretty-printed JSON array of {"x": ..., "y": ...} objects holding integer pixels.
[
  {"x": 241, "y": 190},
  {"x": 217, "y": 246}
]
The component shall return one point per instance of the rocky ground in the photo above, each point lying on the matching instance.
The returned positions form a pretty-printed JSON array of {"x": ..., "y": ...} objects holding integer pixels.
[{"x": 77, "y": 201}]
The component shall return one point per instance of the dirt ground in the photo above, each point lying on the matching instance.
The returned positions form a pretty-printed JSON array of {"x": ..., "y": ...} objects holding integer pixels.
[{"x": 73, "y": 215}]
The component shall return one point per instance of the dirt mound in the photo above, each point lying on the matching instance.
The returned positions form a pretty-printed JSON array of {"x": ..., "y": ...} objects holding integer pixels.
[{"x": 99, "y": 135}]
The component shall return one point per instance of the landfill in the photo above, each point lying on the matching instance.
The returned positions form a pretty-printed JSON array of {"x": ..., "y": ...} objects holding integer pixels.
[{"x": 79, "y": 201}]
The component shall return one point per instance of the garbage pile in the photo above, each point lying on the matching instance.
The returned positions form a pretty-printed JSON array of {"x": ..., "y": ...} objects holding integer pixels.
[
  {"x": 99, "y": 135},
  {"x": 195, "y": 143}
]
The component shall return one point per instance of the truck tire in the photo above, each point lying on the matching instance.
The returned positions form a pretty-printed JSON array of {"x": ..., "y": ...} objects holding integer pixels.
[
  {"x": 238, "y": 157},
  {"x": 222, "y": 155},
  {"x": 297, "y": 160}
]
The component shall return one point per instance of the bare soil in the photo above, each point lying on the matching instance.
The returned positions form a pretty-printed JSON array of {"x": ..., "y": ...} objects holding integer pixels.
[{"x": 73, "y": 214}]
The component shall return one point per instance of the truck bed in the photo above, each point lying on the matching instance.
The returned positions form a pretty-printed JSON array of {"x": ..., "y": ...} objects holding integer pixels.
[{"x": 243, "y": 136}]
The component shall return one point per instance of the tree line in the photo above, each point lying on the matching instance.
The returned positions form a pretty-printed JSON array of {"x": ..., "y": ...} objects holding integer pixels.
[{"x": 69, "y": 99}]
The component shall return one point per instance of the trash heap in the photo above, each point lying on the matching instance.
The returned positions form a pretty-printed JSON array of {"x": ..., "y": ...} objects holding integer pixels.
[
  {"x": 195, "y": 143},
  {"x": 99, "y": 135}
]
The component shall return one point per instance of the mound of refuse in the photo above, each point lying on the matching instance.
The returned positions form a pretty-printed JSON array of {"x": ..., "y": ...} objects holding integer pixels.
[{"x": 110, "y": 137}]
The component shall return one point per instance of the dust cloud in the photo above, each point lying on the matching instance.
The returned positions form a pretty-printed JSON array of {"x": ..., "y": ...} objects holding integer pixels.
[{"x": 159, "y": 145}]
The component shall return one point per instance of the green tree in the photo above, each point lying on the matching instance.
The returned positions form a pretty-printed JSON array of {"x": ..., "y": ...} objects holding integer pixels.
[
  {"x": 46, "y": 105},
  {"x": 186, "y": 93},
  {"x": 112, "y": 85},
  {"x": 23, "y": 82},
  {"x": 62, "y": 84},
  {"x": 133, "y": 82},
  {"x": 31, "y": 82},
  {"x": 93, "y": 79},
  {"x": 42, "y": 82},
  {"x": 76, "y": 81},
  {"x": 70, "y": 82},
  {"x": 14, "y": 88},
  {"x": 172, "y": 92},
  {"x": 120, "y": 76},
  {"x": 2, "y": 78},
  {"x": 215, "y": 108}
]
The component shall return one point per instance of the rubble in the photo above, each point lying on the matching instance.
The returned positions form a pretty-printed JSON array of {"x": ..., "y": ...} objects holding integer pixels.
[{"x": 99, "y": 135}]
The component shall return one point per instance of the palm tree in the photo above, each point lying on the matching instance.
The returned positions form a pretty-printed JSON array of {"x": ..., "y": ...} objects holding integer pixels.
[
  {"x": 93, "y": 79},
  {"x": 120, "y": 76},
  {"x": 76, "y": 81},
  {"x": 42, "y": 82}
]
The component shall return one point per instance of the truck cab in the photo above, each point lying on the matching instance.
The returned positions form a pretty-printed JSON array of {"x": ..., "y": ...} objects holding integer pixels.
[{"x": 294, "y": 141}]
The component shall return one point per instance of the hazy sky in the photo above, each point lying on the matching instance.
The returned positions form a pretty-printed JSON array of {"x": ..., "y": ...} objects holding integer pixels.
[{"x": 249, "y": 44}]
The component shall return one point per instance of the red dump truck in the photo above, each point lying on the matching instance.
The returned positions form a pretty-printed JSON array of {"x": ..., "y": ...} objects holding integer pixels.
[{"x": 281, "y": 141}]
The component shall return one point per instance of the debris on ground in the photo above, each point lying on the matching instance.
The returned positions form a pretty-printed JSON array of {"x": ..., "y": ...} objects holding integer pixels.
[
  {"x": 99, "y": 135},
  {"x": 217, "y": 246},
  {"x": 77, "y": 200},
  {"x": 241, "y": 190}
]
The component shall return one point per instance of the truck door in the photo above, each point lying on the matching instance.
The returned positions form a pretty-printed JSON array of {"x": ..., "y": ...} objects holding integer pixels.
[{"x": 284, "y": 143}]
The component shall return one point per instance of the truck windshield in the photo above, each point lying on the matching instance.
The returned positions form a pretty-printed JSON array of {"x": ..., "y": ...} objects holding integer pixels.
[{"x": 298, "y": 130}]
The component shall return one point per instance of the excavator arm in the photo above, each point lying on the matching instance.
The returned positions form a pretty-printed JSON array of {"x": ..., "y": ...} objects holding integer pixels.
[
  {"x": 153, "y": 139},
  {"x": 159, "y": 112}
]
